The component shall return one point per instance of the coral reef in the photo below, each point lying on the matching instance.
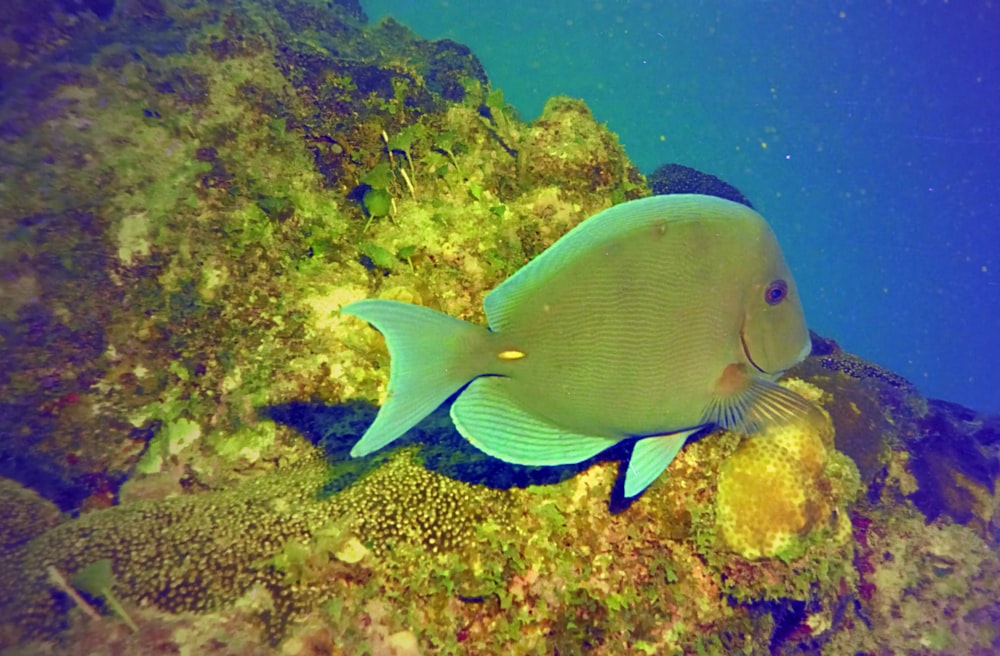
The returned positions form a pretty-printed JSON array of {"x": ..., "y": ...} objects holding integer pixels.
[
  {"x": 23, "y": 515},
  {"x": 204, "y": 552},
  {"x": 781, "y": 487},
  {"x": 192, "y": 191}
]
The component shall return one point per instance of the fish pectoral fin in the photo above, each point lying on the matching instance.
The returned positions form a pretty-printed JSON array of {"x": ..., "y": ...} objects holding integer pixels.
[
  {"x": 759, "y": 404},
  {"x": 486, "y": 414},
  {"x": 650, "y": 456}
]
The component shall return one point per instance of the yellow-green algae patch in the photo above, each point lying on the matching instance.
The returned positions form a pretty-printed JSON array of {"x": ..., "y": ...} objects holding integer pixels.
[{"x": 928, "y": 589}]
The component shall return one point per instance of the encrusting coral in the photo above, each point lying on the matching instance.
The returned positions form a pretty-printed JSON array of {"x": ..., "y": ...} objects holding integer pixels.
[
  {"x": 402, "y": 501},
  {"x": 203, "y": 552}
]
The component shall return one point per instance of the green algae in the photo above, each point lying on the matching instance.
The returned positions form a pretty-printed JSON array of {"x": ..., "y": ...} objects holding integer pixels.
[
  {"x": 171, "y": 440},
  {"x": 98, "y": 581}
]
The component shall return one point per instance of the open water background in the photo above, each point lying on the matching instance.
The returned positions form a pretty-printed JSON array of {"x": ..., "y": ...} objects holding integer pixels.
[{"x": 868, "y": 133}]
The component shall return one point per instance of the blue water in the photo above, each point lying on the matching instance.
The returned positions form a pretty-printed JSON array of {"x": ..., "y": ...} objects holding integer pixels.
[{"x": 868, "y": 133}]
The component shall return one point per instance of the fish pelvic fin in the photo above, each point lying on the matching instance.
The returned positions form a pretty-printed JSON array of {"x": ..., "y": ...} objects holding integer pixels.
[
  {"x": 759, "y": 404},
  {"x": 432, "y": 356},
  {"x": 650, "y": 456}
]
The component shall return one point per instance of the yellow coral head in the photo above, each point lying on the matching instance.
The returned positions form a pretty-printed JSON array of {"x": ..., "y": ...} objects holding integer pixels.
[{"x": 772, "y": 490}]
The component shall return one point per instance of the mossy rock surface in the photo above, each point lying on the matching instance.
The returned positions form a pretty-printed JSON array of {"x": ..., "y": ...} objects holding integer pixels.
[{"x": 184, "y": 216}]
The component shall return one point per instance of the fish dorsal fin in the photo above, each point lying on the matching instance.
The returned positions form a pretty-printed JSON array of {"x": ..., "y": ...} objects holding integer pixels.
[
  {"x": 487, "y": 416},
  {"x": 650, "y": 456},
  {"x": 615, "y": 222},
  {"x": 760, "y": 404}
]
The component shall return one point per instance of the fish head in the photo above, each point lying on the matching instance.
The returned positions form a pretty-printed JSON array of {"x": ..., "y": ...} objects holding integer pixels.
[{"x": 773, "y": 331}]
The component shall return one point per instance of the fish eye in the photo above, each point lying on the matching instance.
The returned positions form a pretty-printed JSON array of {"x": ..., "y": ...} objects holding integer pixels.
[{"x": 776, "y": 292}]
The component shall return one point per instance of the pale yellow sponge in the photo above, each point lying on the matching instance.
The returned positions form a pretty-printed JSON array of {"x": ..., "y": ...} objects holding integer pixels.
[{"x": 781, "y": 485}]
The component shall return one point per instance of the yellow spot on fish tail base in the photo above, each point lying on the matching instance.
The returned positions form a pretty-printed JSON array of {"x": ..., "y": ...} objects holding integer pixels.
[{"x": 510, "y": 354}]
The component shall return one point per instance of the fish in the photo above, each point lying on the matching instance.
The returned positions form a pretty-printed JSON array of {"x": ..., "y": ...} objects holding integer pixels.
[{"x": 651, "y": 321}]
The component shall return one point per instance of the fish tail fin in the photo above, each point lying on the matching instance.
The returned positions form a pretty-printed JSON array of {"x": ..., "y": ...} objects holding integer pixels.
[{"x": 432, "y": 355}]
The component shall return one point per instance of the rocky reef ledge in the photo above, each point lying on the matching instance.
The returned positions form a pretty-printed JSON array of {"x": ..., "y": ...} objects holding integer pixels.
[{"x": 191, "y": 190}]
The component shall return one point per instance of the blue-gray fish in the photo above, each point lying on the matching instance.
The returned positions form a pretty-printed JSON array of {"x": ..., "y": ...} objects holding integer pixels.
[{"x": 650, "y": 321}]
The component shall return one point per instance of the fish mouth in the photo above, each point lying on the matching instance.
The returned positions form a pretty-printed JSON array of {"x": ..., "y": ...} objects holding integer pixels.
[{"x": 746, "y": 352}]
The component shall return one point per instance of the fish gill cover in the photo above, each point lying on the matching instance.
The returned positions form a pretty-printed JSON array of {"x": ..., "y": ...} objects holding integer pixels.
[{"x": 191, "y": 191}]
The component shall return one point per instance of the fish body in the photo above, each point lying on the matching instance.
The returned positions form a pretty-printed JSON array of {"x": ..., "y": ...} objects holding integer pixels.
[{"x": 652, "y": 319}]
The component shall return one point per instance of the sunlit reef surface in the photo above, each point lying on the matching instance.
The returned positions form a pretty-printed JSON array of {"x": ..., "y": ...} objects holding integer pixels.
[{"x": 191, "y": 191}]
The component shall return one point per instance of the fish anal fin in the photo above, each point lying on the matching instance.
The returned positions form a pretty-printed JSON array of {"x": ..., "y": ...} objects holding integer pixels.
[{"x": 487, "y": 415}]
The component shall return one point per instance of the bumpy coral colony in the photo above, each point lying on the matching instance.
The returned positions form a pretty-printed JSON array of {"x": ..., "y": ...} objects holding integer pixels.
[{"x": 778, "y": 489}]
